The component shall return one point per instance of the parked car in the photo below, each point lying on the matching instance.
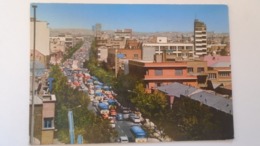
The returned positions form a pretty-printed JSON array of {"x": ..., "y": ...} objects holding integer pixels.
[
  {"x": 133, "y": 117},
  {"x": 123, "y": 139},
  {"x": 119, "y": 116}
]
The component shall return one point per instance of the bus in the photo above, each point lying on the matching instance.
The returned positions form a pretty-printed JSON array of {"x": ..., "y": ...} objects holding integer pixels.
[{"x": 139, "y": 134}]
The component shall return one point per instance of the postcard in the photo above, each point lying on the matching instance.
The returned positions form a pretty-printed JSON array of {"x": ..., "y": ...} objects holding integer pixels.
[{"x": 129, "y": 73}]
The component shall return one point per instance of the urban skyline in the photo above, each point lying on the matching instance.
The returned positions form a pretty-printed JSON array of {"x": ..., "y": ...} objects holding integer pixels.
[{"x": 140, "y": 18}]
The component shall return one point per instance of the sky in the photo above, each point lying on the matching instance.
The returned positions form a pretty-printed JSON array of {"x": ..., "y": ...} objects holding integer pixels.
[{"x": 140, "y": 18}]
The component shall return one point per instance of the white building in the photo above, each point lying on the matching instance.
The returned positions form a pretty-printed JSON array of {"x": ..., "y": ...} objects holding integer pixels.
[
  {"x": 170, "y": 51},
  {"x": 102, "y": 53},
  {"x": 42, "y": 37},
  {"x": 200, "y": 38}
]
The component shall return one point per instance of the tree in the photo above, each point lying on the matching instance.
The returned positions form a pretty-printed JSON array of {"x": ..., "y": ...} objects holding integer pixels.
[{"x": 84, "y": 120}]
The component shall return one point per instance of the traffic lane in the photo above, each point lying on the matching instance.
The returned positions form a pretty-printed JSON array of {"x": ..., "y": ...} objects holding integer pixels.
[{"x": 123, "y": 128}]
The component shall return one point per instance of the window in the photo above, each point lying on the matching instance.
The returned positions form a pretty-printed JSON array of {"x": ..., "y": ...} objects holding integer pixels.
[
  {"x": 178, "y": 72},
  {"x": 190, "y": 70},
  {"x": 224, "y": 74},
  {"x": 135, "y": 56},
  {"x": 158, "y": 84},
  {"x": 200, "y": 69},
  {"x": 158, "y": 72},
  {"x": 48, "y": 123},
  {"x": 212, "y": 76}
]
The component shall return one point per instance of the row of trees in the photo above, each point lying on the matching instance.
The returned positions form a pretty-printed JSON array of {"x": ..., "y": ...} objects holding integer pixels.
[
  {"x": 71, "y": 51},
  {"x": 92, "y": 127}
]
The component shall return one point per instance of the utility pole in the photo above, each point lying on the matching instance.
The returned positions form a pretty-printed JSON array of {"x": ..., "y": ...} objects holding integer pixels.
[
  {"x": 116, "y": 70},
  {"x": 33, "y": 76}
]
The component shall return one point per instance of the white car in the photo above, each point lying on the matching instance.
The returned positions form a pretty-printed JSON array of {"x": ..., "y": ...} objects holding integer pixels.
[{"x": 123, "y": 139}]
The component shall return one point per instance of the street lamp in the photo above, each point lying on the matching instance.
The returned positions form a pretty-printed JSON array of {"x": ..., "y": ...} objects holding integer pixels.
[{"x": 33, "y": 76}]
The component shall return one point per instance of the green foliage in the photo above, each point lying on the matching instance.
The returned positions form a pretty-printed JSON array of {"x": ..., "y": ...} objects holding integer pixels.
[
  {"x": 68, "y": 98},
  {"x": 72, "y": 50},
  {"x": 151, "y": 105},
  {"x": 190, "y": 120}
]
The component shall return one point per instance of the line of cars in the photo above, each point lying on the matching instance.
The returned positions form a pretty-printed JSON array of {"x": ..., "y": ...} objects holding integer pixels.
[{"x": 103, "y": 99}]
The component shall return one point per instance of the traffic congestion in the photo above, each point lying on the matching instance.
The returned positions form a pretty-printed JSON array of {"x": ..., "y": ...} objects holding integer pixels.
[{"x": 103, "y": 99}]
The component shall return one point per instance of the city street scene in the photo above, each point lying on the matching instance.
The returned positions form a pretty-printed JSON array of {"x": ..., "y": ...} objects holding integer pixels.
[{"x": 129, "y": 73}]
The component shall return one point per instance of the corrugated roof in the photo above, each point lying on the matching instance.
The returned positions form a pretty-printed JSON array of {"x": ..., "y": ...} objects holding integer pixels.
[
  {"x": 176, "y": 89},
  {"x": 215, "y": 101},
  {"x": 210, "y": 99}
]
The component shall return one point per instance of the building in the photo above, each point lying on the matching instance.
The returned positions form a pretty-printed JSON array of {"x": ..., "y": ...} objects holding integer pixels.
[
  {"x": 123, "y": 34},
  {"x": 199, "y": 69},
  {"x": 219, "y": 69},
  {"x": 102, "y": 54},
  {"x": 41, "y": 38},
  {"x": 167, "y": 51},
  {"x": 44, "y": 111},
  {"x": 123, "y": 55},
  {"x": 97, "y": 28},
  {"x": 200, "y": 38},
  {"x": 156, "y": 74},
  {"x": 57, "y": 44}
]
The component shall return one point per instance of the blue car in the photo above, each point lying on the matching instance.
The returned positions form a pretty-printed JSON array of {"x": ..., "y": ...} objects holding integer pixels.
[{"x": 119, "y": 117}]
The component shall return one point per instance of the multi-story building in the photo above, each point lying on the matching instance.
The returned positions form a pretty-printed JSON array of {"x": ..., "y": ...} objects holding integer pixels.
[
  {"x": 97, "y": 29},
  {"x": 200, "y": 38},
  {"x": 41, "y": 38},
  {"x": 102, "y": 53},
  {"x": 156, "y": 74},
  {"x": 44, "y": 109},
  {"x": 168, "y": 51},
  {"x": 123, "y": 34},
  {"x": 199, "y": 69}
]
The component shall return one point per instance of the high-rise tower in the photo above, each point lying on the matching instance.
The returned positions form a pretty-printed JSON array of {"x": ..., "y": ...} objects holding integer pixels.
[{"x": 200, "y": 38}]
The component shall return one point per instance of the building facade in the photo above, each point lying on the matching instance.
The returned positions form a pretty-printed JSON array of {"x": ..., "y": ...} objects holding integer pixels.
[
  {"x": 200, "y": 38},
  {"x": 156, "y": 74},
  {"x": 169, "y": 51},
  {"x": 102, "y": 53},
  {"x": 44, "y": 111},
  {"x": 42, "y": 32}
]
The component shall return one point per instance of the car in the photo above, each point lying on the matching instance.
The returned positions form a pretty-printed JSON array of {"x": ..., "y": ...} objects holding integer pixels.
[
  {"x": 112, "y": 112},
  {"x": 119, "y": 117},
  {"x": 133, "y": 117},
  {"x": 123, "y": 139},
  {"x": 105, "y": 116}
]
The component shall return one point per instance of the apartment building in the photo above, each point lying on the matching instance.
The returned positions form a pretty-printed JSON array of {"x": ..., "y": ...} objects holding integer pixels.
[
  {"x": 200, "y": 38},
  {"x": 102, "y": 54},
  {"x": 156, "y": 74},
  {"x": 41, "y": 39},
  {"x": 168, "y": 51},
  {"x": 123, "y": 34},
  {"x": 44, "y": 108}
]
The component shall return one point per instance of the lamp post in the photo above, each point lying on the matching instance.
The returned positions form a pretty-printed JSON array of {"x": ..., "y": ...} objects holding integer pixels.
[{"x": 33, "y": 76}]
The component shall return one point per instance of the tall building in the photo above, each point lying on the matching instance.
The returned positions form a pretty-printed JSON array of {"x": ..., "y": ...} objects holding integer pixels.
[
  {"x": 200, "y": 38},
  {"x": 97, "y": 29},
  {"x": 41, "y": 38}
]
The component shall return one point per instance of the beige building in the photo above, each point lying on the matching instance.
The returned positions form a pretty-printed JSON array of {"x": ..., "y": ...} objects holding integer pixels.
[
  {"x": 102, "y": 54},
  {"x": 42, "y": 37},
  {"x": 44, "y": 118}
]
